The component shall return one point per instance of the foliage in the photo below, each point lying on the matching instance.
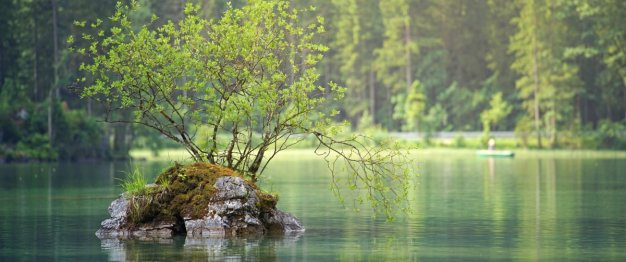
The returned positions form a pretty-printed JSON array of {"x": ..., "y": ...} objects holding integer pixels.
[
  {"x": 499, "y": 109},
  {"x": 23, "y": 128},
  {"x": 523, "y": 130},
  {"x": 348, "y": 43},
  {"x": 378, "y": 173},
  {"x": 548, "y": 82},
  {"x": 461, "y": 52},
  {"x": 249, "y": 77},
  {"x": 459, "y": 141},
  {"x": 366, "y": 122},
  {"x": 148, "y": 138},
  {"x": 9, "y": 131},
  {"x": 234, "y": 78},
  {"x": 433, "y": 121},
  {"x": 410, "y": 107},
  {"x": 82, "y": 136},
  {"x": 36, "y": 146},
  {"x": 611, "y": 135}
]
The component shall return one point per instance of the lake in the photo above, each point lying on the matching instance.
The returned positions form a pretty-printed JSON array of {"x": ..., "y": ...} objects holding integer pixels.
[{"x": 465, "y": 208}]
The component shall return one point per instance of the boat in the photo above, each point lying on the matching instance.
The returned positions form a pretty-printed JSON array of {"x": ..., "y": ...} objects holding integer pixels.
[{"x": 495, "y": 153}]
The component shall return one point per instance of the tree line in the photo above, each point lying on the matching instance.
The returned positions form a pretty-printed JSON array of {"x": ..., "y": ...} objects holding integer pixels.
[{"x": 553, "y": 71}]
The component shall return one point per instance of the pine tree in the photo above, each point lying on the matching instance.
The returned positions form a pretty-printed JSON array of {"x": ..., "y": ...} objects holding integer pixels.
[
  {"x": 394, "y": 60},
  {"x": 547, "y": 82}
]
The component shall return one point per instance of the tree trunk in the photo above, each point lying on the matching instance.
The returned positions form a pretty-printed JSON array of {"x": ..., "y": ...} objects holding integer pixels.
[
  {"x": 609, "y": 112},
  {"x": 407, "y": 49},
  {"x": 35, "y": 58},
  {"x": 372, "y": 96},
  {"x": 553, "y": 142},
  {"x": 122, "y": 138},
  {"x": 52, "y": 90},
  {"x": 536, "y": 94},
  {"x": 50, "y": 102},
  {"x": 89, "y": 106},
  {"x": 256, "y": 163},
  {"x": 55, "y": 40},
  {"x": 120, "y": 146}
]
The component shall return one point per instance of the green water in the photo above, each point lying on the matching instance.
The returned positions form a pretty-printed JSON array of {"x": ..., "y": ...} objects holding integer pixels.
[{"x": 465, "y": 208}]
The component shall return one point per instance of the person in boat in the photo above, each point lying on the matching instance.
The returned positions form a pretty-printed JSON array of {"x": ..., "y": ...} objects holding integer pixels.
[{"x": 491, "y": 144}]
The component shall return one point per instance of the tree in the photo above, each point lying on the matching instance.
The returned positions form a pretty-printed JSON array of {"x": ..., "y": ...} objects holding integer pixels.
[
  {"x": 463, "y": 27},
  {"x": 394, "y": 65},
  {"x": 347, "y": 40},
  {"x": 412, "y": 107},
  {"x": 610, "y": 16},
  {"x": 502, "y": 77},
  {"x": 498, "y": 110},
  {"x": 600, "y": 52},
  {"x": 547, "y": 81},
  {"x": 356, "y": 33},
  {"x": 55, "y": 65},
  {"x": 241, "y": 107}
]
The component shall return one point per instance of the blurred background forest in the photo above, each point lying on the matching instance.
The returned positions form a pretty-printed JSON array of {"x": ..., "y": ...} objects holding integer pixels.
[{"x": 551, "y": 71}]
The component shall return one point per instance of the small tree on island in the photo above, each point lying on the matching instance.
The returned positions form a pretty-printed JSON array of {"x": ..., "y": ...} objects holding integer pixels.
[{"x": 236, "y": 92}]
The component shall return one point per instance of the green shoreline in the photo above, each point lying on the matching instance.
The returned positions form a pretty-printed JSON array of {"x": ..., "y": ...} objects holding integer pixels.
[{"x": 182, "y": 156}]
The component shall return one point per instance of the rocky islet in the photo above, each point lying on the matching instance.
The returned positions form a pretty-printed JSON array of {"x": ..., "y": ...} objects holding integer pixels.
[{"x": 197, "y": 200}]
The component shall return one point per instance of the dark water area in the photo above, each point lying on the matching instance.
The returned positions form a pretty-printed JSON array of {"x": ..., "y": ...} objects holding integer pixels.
[{"x": 464, "y": 209}]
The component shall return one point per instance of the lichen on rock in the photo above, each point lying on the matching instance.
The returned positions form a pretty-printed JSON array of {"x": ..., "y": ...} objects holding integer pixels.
[{"x": 197, "y": 200}]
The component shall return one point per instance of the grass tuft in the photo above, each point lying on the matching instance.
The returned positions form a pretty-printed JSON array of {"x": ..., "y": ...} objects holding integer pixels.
[{"x": 135, "y": 182}]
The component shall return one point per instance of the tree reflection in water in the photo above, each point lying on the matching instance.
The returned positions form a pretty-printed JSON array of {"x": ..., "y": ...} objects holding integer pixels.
[{"x": 198, "y": 249}]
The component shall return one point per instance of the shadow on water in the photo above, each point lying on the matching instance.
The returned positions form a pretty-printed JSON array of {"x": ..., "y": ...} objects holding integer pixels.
[{"x": 199, "y": 249}]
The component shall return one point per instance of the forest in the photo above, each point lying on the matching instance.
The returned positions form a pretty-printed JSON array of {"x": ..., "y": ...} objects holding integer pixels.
[{"x": 552, "y": 71}]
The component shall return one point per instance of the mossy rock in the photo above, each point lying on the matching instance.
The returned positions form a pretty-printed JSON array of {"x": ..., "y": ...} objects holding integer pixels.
[
  {"x": 186, "y": 191},
  {"x": 198, "y": 200}
]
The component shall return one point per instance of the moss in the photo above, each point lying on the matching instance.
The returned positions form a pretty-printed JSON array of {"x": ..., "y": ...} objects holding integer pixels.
[
  {"x": 266, "y": 200},
  {"x": 185, "y": 191}
]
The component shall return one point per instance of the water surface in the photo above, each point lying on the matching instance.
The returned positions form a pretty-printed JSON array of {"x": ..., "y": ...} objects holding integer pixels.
[{"x": 465, "y": 208}]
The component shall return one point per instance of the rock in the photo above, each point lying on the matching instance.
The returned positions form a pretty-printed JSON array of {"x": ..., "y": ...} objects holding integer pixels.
[
  {"x": 117, "y": 225},
  {"x": 208, "y": 226},
  {"x": 278, "y": 220},
  {"x": 229, "y": 206},
  {"x": 112, "y": 227}
]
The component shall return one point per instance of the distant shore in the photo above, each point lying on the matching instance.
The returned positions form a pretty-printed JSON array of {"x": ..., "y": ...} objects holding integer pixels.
[{"x": 181, "y": 155}]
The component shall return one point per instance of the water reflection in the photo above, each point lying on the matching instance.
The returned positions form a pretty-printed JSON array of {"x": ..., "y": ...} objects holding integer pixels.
[
  {"x": 199, "y": 249},
  {"x": 465, "y": 208},
  {"x": 522, "y": 209}
]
